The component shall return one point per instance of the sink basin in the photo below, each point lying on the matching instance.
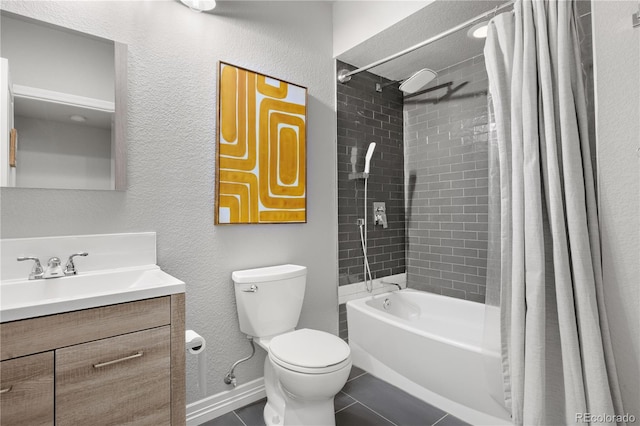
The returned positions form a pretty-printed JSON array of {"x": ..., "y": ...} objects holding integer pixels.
[{"x": 20, "y": 299}]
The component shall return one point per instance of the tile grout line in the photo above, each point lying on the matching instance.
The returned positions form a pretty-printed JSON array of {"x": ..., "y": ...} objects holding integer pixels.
[
  {"x": 356, "y": 377},
  {"x": 439, "y": 420},
  {"x": 375, "y": 412},
  {"x": 344, "y": 408},
  {"x": 239, "y": 418}
]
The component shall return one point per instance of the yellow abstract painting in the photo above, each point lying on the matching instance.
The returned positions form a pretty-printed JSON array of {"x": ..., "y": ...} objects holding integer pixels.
[{"x": 261, "y": 149}]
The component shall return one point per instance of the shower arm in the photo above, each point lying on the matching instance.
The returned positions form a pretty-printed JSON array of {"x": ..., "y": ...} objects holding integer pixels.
[
  {"x": 379, "y": 86},
  {"x": 345, "y": 75}
]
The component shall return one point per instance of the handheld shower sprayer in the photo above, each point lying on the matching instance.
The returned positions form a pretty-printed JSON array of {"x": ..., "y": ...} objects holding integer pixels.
[
  {"x": 367, "y": 158},
  {"x": 362, "y": 223}
]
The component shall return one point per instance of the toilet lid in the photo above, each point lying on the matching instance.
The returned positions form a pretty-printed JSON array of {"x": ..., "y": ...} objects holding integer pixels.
[{"x": 309, "y": 348}]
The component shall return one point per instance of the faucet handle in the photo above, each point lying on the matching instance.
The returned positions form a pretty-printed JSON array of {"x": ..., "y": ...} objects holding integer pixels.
[
  {"x": 70, "y": 267},
  {"x": 37, "y": 272}
]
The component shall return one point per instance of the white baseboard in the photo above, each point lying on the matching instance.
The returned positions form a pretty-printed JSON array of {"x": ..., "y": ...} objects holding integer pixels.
[
  {"x": 224, "y": 402},
  {"x": 380, "y": 285}
]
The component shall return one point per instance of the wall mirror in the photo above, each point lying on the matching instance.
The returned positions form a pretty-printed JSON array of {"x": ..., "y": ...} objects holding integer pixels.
[{"x": 63, "y": 107}]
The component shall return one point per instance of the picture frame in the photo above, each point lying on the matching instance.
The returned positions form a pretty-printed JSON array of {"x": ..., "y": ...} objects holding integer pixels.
[{"x": 260, "y": 149}]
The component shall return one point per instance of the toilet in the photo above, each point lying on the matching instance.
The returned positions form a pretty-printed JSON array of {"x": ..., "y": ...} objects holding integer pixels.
[{"x": 305, "y": 368}]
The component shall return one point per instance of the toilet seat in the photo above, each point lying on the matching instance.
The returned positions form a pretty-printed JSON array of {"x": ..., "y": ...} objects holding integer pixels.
[{"x": 310, "y": 351}]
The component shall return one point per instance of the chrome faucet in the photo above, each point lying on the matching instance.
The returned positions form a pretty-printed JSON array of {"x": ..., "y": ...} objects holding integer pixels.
[
  {"x": 54, "y": 268},
  {"x": 37, "y": 272},
  {"x": 70, "y": 267}
]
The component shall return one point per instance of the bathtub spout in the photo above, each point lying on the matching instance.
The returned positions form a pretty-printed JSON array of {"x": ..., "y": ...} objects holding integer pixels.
[{"x": 399, "y": 286}]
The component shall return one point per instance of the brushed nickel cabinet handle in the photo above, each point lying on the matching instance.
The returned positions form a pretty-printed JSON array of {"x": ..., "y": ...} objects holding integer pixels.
[
  {"x": 116, "y": 361},
  {"x": 6, "y": 390}
]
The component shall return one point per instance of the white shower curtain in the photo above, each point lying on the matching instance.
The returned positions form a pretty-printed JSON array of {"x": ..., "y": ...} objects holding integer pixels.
[{"x": 556, "y": 351}]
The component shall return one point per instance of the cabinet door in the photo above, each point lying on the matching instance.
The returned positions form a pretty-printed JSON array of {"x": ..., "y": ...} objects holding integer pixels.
[
  {"x": 26, "y": 390},
  {"x": 122, "y": 380}
]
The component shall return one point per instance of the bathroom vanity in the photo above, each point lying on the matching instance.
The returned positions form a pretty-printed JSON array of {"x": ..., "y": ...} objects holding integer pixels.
[
  {"x": 104, "y": 365},
  {"x": 104, "y": 347}
]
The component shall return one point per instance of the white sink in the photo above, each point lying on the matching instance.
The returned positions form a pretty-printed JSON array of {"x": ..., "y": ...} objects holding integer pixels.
[{"x": 20, "y": 299}]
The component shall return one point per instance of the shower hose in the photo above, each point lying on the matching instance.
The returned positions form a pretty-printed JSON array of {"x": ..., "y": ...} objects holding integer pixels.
[{"x": 368, "y": 283}]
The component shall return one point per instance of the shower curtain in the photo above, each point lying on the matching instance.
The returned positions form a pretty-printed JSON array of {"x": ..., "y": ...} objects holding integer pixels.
[{"x": 544, "y": 267}]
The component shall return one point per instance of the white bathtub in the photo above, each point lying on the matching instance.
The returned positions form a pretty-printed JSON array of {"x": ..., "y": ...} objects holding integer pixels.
[{"x": 431, "y": 347}]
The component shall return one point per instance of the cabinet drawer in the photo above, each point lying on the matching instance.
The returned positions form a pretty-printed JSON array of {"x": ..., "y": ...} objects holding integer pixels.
[
  {"x": 122, "y": 380},
  {"x": 27, "y": 390},
  {"x": 41, "y": 334}
]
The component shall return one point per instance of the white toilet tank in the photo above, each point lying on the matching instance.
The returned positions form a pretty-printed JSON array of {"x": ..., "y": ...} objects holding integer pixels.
[{"x": 269, "y": 300}]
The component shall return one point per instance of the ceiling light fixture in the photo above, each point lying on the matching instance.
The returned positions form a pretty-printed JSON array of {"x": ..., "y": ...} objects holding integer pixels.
[
  {"x": 479, "y": 30},
  {"x": 200, "y": 5}
]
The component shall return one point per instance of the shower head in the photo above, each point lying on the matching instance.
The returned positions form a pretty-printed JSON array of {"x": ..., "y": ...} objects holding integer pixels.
[
  {"x": 418, "y": 80},
  {"x": 367, "y": 158}
]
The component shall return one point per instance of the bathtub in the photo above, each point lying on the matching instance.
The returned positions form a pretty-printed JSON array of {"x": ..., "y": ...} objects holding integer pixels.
[{"x": 431, "y": 347}]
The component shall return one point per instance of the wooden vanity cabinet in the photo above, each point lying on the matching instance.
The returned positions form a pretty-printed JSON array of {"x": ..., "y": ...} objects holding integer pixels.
[
  {"x": 116, "y": 381},
  {"x": 113, "y": 365},
  {"x": 26, "y": 386}
]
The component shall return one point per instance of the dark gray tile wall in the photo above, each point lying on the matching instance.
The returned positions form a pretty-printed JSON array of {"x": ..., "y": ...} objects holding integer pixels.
[
  {"x": 447, "y": 183},
  {"x": 366, "y": 116},
  {"x": 447, "y": 177}
]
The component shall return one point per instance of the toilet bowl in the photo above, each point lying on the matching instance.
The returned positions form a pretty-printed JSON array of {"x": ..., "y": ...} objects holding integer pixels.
[{"x": 305, "y": 368}]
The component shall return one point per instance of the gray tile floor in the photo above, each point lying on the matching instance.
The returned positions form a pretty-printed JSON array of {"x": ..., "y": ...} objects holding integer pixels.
[{"x": 364, "y": 401}]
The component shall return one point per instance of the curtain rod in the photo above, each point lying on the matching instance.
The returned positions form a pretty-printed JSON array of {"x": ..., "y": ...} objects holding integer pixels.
[{"x": 345, "y": 75}]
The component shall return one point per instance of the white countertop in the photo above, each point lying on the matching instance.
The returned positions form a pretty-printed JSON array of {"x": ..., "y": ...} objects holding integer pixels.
[{"x": 22, "y": 298}]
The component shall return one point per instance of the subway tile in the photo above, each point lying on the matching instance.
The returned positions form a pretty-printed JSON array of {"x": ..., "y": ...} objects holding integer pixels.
[
  {"x": 442, "y": 283},
  {"x": 477, "y": 226},
  {"x": 451, "y": 193},
  {"x": 457, "y": 260},
  {"x": 452, "y": 243},
  {"x": 475, "y": 279},
  {"x": 435, "y": 233},
  {"x": 466, "y": 252},
  {"x": 464, "y": 269},
  {"x": 474, "y": 298},
  {"x": 463, "y": 218},
  {"x": 453, "y": 276},
  {"x": 464, "y": 235},
  {"x": 466, "y": 287},
  {"x": 451, "y": 292},
  {"x": 473, "y": 243},
  {"x": 463, "y": 200},
  {"x": 467, "y": 167},
  {"x": 452, "y": 209},
  {"x": 442, "y": 267},
  {"x": 470, "y": 261}
]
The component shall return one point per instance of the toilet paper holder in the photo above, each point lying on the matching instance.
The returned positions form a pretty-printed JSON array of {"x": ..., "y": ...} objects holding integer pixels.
[{"x": 194, "y": 342}]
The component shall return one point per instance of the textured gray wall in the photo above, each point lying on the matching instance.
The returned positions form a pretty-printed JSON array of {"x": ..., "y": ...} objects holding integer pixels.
[
  {"x": 172, "y": 116},
  {"x": 447, "y": 194}
]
